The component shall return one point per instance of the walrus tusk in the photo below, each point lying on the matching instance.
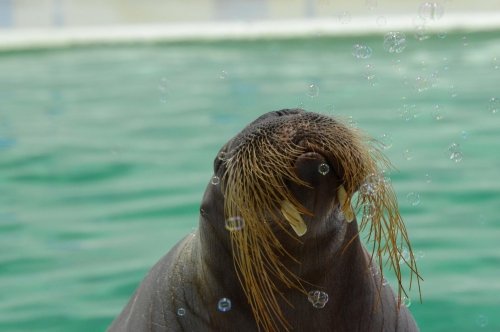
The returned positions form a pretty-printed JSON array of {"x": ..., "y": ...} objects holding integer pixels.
[
  {"x": 344, "y": 205},
  {"x": 293, "y": 217}
]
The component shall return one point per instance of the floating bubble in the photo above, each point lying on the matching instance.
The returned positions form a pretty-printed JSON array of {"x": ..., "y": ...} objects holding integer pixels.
[
  {"x": 495, "y": 63},
  {"x": 181, "y": 312},
  {"x": 413, "y": 198},
  {"x": 215, "y": 180},
  {"x": 381, "y": 21},
  {"x": 344, "y": 17},
  {"x": 394, "y": 42},
  {"x": 404, "y": 255},
  {"x": 406, "y": 301},
  {"x": 421, "y": 33},
  {"x": 455, "y": 152},
  {"x": 223, "y": 75},
  {"x": 369, "y": 74},
  {"x": 437, "y": 114},
  {"x": 494, "y": 105},
  {"x": 465, "y": 43},
  {"x": 420, "y": 254},
  {"x": 385, "y": 282},
  {"x": 371, "y": 4},
  {"x": 431, "y": 11},
  {"x": 370, "y": 186},
  {"x": 409, "y": 112},
  {"x": 224, "y": 304},
  {"x": 386, "y": 140},
  {"x": 351, "y": 122},
  {"x": 481, "y": 320},
  {"x": 163, "y": 89},
  {"x": 368, "y": 210},
  {"x": 421, "y": 83},
  {"x": 408, "y": 154},
  {"x": 313, "y": 90},
  {"x": 323, "y": 169},
  {"x": 234, "y": 224},
  {"x": 428, "y": 178},
  {"x": 317, "y": 298},
  {"x": 442, "y": 34},
  {"x": 360, "y": 51},
  {"x": 464, "y": 134}
]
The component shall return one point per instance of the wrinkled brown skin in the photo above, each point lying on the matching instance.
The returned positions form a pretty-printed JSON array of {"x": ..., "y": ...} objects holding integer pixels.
[{"x": 199, "y": 270}]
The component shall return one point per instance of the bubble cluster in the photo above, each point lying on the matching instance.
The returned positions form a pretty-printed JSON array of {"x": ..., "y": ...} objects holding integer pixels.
[
  {"x": 413, "y": 198},
  {"x": 181, "y": 312},
  {"x": 323, "y": 169},
  {"x": 224, "y": 304},
  {"x": 234, "y": 224},
  {"x": 317, "y": 298},
  {"x": 215, "y": 180},
  {"x": 372, "y": 185},
  {"x": 455, "y": 152},
  {"x": 360, "y": 51},
  {"x": 494, "y": 105},
  {"x": 313, "y": 90},
  {"x": 394, "y": 42},
  {"x": 431, "y": 11}
]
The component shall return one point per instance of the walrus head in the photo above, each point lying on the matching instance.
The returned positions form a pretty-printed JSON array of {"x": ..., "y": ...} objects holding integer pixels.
[{"x": 269, "y": 174}]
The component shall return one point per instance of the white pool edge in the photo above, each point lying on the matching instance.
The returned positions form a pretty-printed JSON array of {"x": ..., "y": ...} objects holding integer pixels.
[{"x": 60, "y": 37}]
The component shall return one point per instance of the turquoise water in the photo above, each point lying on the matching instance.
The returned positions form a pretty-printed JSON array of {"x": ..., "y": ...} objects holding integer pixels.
[{"x": 105, "y": 153}]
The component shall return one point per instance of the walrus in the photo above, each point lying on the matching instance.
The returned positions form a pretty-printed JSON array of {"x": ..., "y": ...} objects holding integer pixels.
[{"x": 278, "y": 245}]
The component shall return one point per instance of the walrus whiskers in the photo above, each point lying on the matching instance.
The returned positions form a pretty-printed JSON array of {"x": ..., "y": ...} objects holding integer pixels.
[{"x": 255, "y": 184}]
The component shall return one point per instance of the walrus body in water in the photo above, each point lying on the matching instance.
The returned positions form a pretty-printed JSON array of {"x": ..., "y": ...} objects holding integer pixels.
[{"x": 278, "y": 246}]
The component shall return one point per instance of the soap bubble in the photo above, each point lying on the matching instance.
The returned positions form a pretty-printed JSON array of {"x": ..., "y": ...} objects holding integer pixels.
[
  {"x": 317, "y": 298},
  {"x": 394, "y": 42},
  {"x": 224, "y": 304},
  {"x": 360, "y": 51},
  {"x": 431, "y": 11},
  {"x": 235, "y": 224},
  {"x": 464, "y": 134},
  {"x": 421, "y": 84},
  {"x": 312, "y": 90},
  {"x": 437, "y": 114}
]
